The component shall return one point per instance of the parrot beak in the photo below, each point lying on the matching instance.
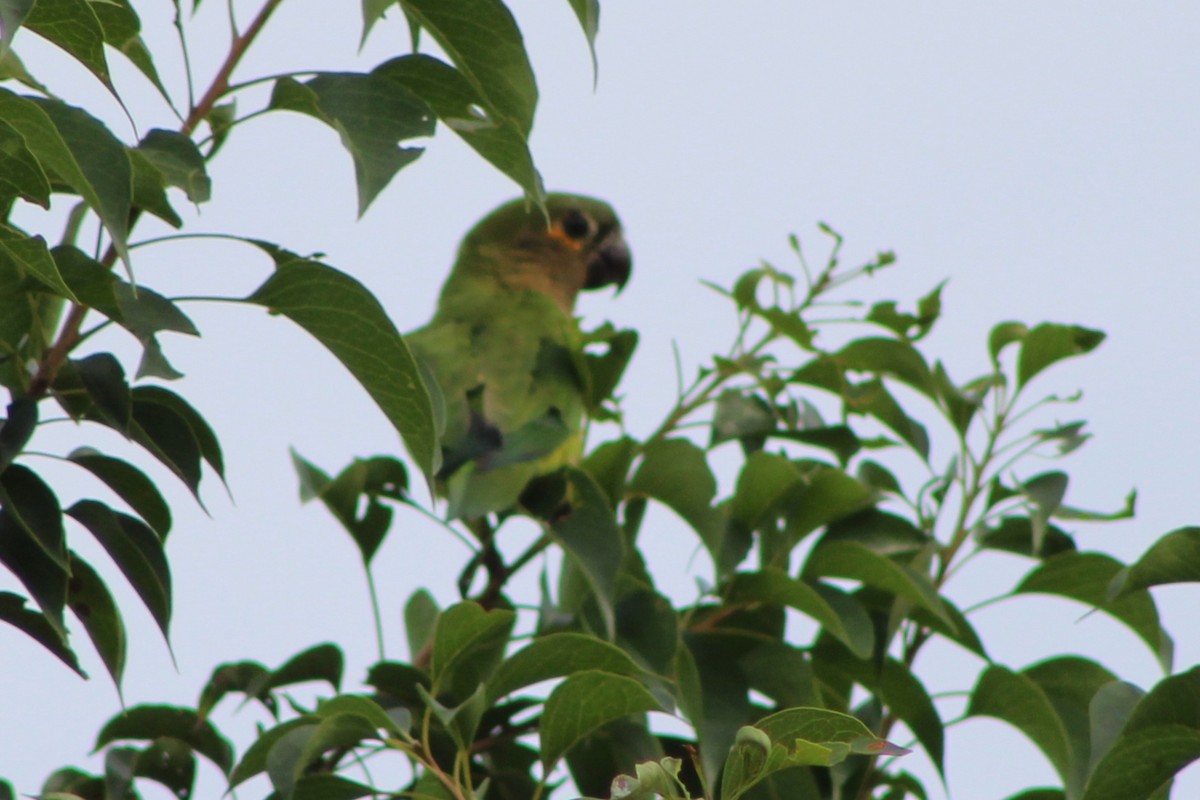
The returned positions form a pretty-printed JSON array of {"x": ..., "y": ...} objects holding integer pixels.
[{"x": 610, "y": 264}]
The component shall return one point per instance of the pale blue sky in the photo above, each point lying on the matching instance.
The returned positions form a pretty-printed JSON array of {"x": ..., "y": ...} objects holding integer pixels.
[{"x": 1043, "y": 157}]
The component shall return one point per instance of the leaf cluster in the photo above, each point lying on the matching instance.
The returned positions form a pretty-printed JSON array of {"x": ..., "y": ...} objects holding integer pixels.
[{"x": 869, "y": 482}]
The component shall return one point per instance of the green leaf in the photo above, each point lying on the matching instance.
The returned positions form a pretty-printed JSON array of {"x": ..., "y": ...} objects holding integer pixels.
[
  {"x": 246, "y": 677},
  {"x": 79, "y": 150},
  {"x": 1071, "y": 684},
  {"x": 370, "y": 113},
  {"x": 890, "y": 357},
  {"x": 483, "y": 41},
  {"x": 323, "y": 662},
  {"x": 420, "y": 620},
  {"x": 765, "y": 480},
  {"x": 149, "y": 722},
  {"x": 456, "y": 101},
  {"x": 1086, "y": 577},
  {"x": 38, "y": 627},
  {"x": 150, "y": 190},
  {"x": 96, "y": 164},
  {"x": 104, "y": 379},
  {"x": 17, "y": 427},
  {"x": 363, "y": 480},
  {"x": 43, "y": 576},
  {"x": 93, "y": 605},
  {"x": 1002, "y": 336},
  {"x": 1048, "y": 343},
  {"x": 130, "y": 484},
  {"x": 179, "y": 161},
  {"x": 169, "y": 762},
  {"x": 254, "y": 761},
  {"x": 555, "y": 656},
  {"x": 122, "y": 31},
  {"x": 792, "y": 738},
  {"x": 12, "y": 16},
  {"x": 609, "y": 466},
  {"x": 20, "y": 173},
  {"x": 1015, "y": 535},
  {"x": 345, "y": 317},
  {"x": 360, "y": 706},
  {"x": 1174, "y": 558},
  {"x": 676, "y": 473},
  {"x": 73, "y": 26},
  {"x": 830, "y": 495},
  {"x": 588, "y": 12},
  {"x": 1141, "y": 762},
  {"x": 592, "y": 541},
  {"x": 32, "y": 256},
  {"x": 1019, "y": 701},
  {"x": 167, "y": 436},
  {"x": 27, "y": 500},
  {"x": 908, "y": 326},
  {"x": 137, "y": 551},
  {"x": 777, "y": 587},
  {"x": 468, "y": 644},
  {"x": 583, "y": 703},
  {"x": 872, "y": 398},
  {"x": 856, "y": 561}
]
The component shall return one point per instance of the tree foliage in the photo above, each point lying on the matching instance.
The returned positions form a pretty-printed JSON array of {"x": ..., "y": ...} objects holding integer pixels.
[{"x": 868, "y": 480}]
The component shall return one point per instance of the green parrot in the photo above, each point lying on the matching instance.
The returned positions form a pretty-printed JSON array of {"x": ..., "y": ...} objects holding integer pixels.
[{"x": 504, "y": 348}]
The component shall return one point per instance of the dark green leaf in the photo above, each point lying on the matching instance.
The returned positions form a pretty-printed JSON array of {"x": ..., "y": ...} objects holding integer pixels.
[
  {"x": 765, "y": 481},
  {"x": 324, "y": 662},
  {"x": 104, "y": 379},
  {"x": 1002, "y": 336},
  {"x": 73, "y": 26},
  {"x": 588, "y": 12},
  {"x": 90, "y": 601},
  {"x": 468, "y": 645},
  {"x": 889, "y": 357},
  {"x": 179, "y": 161},
  {"x": 420, "y": 620},
  {"x": 130, "y": 484},
  {"x": 1174, "y": 558},
  {"x": 584, "y": 702},
  {"x": 1048, "y": 343},
  {"x": 482, "y": 39},
  {"x": 1141, "y": 762},
  {"x": 137, "y": 551},
  {"x": 462, "y": 107},
  {"x": 777, "y": 587},
  {"x": 245, "y": 677},
  {"x": 96, "y": 164},
  {"x": 855, "y": 561},
  {"x": 79, "y": 150},
  {"x": 149, "y": 190},
  {"x": 872, "y": 398},
  {"x": 1086, "y": 577},
  {"x": 830, "y": 494},
  {"x": 592, "y": 541},
  {"x": 122, "y": 30},
  {"x": 556, "y": 656},
  {"x": 206, "y": 439},
  {"x": 29, "y": 502},
  {"x": 38, "y": 627},
  {"x": 742, "y": 416},
  {"x": 12, "y": 16},
  {"x": 167, "y": 436},
  {"x": 20, "y": 173},
  {"x": 1015, "y": 535},
  {"x": 18, "y": 425},
  {"x": 43, "y": 576},
  {"x": 345, "y": 317},
  {"x": 254, "y": 761},
  {"x": 1019, "y": 701},
  {"x": 32, "y": 256},
  {"x": 169, "y": 762},
  {"x": 676, "y": 473},
  {"x": 149, "y": 722},
  {"x": 609, "y": 466},
  {"x": 371, "y": 115}
]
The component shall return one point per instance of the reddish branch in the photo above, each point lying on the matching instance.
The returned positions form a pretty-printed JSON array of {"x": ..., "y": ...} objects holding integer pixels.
[{"x": 69, "y": 335}]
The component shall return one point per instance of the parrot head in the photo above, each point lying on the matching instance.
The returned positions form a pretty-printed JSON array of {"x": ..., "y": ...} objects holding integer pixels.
[{"x": 581, "y": 248}]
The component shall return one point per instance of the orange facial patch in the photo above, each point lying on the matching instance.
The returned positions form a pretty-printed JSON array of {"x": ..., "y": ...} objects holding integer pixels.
[{"x": 556, "y": 232}]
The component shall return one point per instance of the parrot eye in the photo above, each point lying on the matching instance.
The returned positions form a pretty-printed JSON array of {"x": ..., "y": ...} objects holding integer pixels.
[{"x": 576, "y": 224}]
